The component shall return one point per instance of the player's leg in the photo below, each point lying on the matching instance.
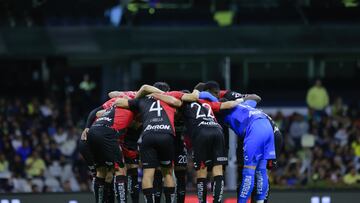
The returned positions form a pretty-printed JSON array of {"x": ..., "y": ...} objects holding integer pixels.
[
  {"x": 133, "y": 183},
  {"x": 262, "y": 182},
  {"x": 114, "y": 187},
  {"x": 269, "y": 151},
  {"x": 131, "y": 157},
  {"x": 95, "y": 142},
  {"x": 180, "y": 171},
  {"x": 120, "y": 184},
  {"x": 200, "y": 158},
  {"x": 201, "y": 181},
  {"x": 180, "y": 174},
  {"x": 147, "y": 185},
  {"x": 169, "y": 184},
  {"x": 158, "y": 184},
  {"x": 251, "y": 149},
  {"x": 85, "y": 152},
  {"x": 166, "y": 157},
  {"x": 99, "y": 185},
  {"x": 109, "y": 186},
  {"x": 219, "y": 160},
  {"x": 149, "y": 162}
]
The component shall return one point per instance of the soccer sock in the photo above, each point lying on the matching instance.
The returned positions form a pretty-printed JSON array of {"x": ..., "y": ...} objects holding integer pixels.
[
  {"x": 133, "y": 184},
  {"x": 218, "y": 188},
  {"x": 157, "y": 185},
  {"x": 180, "y": 185},
  {"x": 247, "y": 185},
  {"x": 99, "y": 184},
  {"x": 149, "y": 195},
  {"x": 201, "y": 187},
  {"x": 262, "y": 182},
  {"x": 169, "y": 193},
  {"x": 120, "y": 188},
  {"x": 109, "y": 194}
]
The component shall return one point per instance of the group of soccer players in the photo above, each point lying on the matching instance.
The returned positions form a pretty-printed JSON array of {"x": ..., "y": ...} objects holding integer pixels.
[{"x": 146, "y": 129}]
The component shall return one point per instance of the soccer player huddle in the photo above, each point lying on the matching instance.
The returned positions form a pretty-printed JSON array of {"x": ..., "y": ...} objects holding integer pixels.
[{"x": 147, "y": 128}]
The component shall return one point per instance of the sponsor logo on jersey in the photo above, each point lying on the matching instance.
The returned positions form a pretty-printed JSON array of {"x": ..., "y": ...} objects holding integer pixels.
[
  {"x": 104, "y": 119},
  {"x": 221, "y": 159},
  {"x": 256, "y": 112},
  {"x": 210, "y": 123},
  {"x": 157, "y": 127}
]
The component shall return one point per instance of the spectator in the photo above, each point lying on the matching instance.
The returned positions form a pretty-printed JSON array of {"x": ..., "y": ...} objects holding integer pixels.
[
  {"x": 54, "y": 151},
  {"x": 60, "y": 136},
  {"x": 20, "y": 184},
  {"x": 46, "y": 109},
  {"x": 4, "y": 172},
  {"x": 338, "y": 108},
  {"x": 87, "y": 85},
  {"x": 24, "y": 150},
  {"x": 35, "y": 165},
  {"x": 298, "y": 128},
  {"x": 352, "y": 177},
  {"x": 18, "y": 167},
  {"x": 355, "y": 145},
  {"x": 317, "y": 99},
  {"x": 69, "y": 146},
  {"x": 342, "y": 135}
]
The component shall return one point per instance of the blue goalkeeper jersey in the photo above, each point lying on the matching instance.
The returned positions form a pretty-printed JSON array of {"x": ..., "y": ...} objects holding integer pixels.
[{"x": 241, "y": 116}]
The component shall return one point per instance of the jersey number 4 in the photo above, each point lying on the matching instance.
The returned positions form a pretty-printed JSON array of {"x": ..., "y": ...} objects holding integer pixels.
[
  {"x": 199, "y": 114},
  {"x": 157, "y": 108}
]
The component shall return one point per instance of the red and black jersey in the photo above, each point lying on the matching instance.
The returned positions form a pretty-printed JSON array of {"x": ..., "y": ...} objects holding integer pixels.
[
  {"x": 200, "y": 114},
  {"x": 157, "y": 116},
  {"x": 115, "y": 118},
  {"x": 230, "y": 95},
  {"x": 110, "y": 102}
]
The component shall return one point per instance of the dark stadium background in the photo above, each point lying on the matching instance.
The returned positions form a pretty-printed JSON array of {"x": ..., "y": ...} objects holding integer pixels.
[{"x": 274, "y": 48}]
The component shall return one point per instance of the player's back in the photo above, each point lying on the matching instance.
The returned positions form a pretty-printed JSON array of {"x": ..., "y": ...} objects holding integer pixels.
[
  {"x": 198, "y": 115},
  {"x": 156, "y": 116},
  {"x": 240, "y": 117}
]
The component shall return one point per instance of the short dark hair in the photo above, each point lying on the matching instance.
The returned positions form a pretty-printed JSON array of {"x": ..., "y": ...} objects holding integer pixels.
[
  {"x": 185, "y": 91},
  {"x": 162, "y": 86},
  {"x": 200, "y": 86},
  {"x": 211, "y": 85}
]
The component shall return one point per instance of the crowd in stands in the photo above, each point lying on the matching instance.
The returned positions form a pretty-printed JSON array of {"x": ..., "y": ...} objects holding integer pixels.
[
  {"x": 322, "y": 149},
  {"x": 38, "y": 147}
]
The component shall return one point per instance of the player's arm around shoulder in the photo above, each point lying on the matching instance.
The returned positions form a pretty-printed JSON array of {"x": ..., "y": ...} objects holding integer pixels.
[
  {"x": 147, "y": 89},
  {"x": 230, "y": 104},
  {"x": 172, "y": 101},
  {"x": 191, "y": 97},
  {"x": 122, "y": 102},
  {"x": 114, "y": 94},
  {"x": 254, "y": 97}
]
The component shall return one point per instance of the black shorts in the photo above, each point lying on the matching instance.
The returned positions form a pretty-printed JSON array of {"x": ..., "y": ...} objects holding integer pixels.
[
  {"x": 85, "y": 152},
  {"x": 208, "y": 148},
  {"x": 157, "y": 150},
  {"x": 129, "y": 146},
  {"x": 180, "y": 153},
  {"x": 104, "y": 147},
  {"x": 130, "y": 156}
]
